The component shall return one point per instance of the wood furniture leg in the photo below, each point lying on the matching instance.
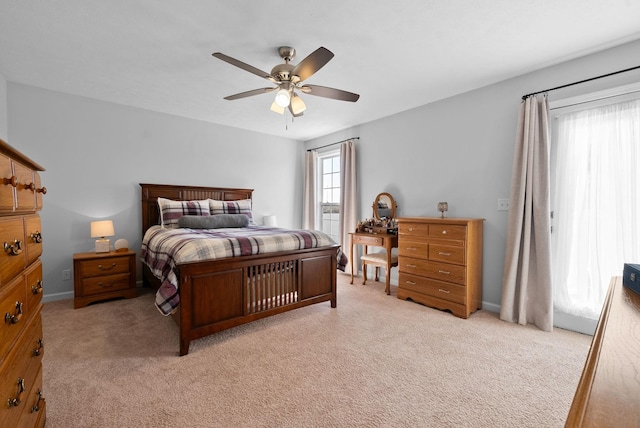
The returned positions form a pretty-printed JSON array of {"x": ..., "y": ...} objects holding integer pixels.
[{"x": 351, "y": 256}]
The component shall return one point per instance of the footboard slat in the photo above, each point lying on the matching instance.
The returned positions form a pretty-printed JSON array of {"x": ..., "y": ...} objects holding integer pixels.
[{"x": 271, "y": 285}]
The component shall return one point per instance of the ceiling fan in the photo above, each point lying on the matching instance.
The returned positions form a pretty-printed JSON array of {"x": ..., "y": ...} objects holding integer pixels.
[{"x": 288, "y": 78}]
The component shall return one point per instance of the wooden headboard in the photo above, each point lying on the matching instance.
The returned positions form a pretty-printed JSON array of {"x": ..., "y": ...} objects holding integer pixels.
[{"x": 151, "y": 193}]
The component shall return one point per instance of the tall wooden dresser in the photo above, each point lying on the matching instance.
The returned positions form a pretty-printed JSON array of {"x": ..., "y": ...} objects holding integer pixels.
[
  {"x": 440, "y": 263},
  {"x": 21, "y": 345}
]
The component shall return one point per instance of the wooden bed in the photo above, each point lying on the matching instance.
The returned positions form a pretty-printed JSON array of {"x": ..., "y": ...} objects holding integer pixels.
[{"x": 219, "y": 294}]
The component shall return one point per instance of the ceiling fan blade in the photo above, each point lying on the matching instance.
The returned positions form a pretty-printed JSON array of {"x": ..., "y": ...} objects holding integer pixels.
[
  {"x": 323, "y": 91},
  {"x": 312, "y": 63},
  {"x": 244, "y": 66},
  {"x": 250, "y": 93}
]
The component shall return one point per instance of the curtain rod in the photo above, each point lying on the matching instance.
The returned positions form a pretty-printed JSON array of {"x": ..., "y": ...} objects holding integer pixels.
[
  {"x": 524, "y": 97},
  {"x": 333, "y": 144}
]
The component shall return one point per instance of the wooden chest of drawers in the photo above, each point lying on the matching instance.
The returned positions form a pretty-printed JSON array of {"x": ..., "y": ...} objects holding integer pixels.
[
  {"x": 102, "y": 276},
  {"x": 21, "y": 343},
  {"x": 440, "y": 263}
]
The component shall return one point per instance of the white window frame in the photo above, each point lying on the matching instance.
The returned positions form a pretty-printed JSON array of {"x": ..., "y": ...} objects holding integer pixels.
[{"x": 334, "y": 229}]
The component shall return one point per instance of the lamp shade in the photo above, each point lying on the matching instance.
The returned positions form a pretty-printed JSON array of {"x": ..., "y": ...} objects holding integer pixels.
[
  {"x": 102, "y": 228},
  {"x": 270, "y": 220}
]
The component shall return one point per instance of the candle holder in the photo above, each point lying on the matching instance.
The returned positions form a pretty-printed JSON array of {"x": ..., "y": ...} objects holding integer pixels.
[{"x": 443, "y": 207}]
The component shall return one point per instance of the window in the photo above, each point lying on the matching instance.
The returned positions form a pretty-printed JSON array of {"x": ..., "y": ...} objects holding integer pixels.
[
  {"x": 329, "y": 172},
  {"x": 595, "y": 202}
]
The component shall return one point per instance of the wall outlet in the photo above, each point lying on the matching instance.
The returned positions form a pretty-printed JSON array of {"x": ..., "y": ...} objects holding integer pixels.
[
  {"x": 503, "y": 204},
  {"x": 66, "y": 275}
]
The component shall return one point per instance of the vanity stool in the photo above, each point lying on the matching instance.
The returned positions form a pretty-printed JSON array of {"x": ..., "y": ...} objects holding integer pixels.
[{"x": 379, "y": 260}]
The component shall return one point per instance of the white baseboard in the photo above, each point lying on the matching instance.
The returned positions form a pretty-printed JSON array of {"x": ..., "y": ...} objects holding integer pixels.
[{"x": 57, "y": 296}]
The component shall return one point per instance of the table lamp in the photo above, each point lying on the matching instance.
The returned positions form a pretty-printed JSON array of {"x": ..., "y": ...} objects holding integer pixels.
[{"x": 101, "y": 229}]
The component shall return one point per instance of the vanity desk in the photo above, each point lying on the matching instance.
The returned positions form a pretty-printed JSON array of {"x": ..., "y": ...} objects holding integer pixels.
[
  {"x": 384, "y": 240},
  {"x": 380, "y": 231}
]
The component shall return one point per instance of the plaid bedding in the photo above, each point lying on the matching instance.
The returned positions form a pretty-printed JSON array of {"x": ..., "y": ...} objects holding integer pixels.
[{"x": 163, "y": 249}]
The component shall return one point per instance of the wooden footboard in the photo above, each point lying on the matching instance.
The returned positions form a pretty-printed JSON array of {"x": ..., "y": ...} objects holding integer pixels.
[{"x": 221, "y": 294}]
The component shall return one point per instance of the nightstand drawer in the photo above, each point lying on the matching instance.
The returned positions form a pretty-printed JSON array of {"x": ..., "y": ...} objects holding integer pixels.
[
  {"x": 106, "y": 283},
  {"x": 104, "y": 266}
]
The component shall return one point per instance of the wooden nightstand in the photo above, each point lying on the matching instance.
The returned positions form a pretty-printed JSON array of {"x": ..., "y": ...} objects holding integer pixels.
[{"x": 101, "y": 276}]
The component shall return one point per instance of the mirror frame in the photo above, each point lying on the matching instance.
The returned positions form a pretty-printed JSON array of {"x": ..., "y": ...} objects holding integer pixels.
[{"x": 392, "y": 207}]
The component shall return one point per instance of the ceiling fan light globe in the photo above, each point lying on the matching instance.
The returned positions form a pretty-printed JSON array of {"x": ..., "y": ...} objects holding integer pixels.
[
  {"x": 276, "y": 108},
  {"x": 297, "y": 105},
  {"x": 283, "y": 98}
]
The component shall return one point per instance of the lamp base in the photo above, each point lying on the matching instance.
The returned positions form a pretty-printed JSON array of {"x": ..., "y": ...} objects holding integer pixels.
[{"x": 102, "y": 245}]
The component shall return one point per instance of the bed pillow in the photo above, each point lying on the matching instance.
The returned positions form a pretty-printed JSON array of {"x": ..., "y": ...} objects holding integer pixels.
[
  {"x": 171, "y": 211},
  {"x": 213, "y": 221},
  {"x": 242, "y": 206}
]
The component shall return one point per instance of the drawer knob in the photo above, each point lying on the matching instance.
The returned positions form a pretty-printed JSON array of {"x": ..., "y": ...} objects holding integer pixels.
[
  {"x": 42, "y": 190},
  {"x": 36, "y": 407},
  {"x": 13, "y": 249},
  {"x": 444, "y": 291},
  {"x": 37, "y": 289},
  {"x": 107, "y": 268},
  {"x": 36, "y": 237},
  {"x": 30, "y": 186},
  {"x": 13, "y": 180},
  {"x": 14, "y": 402},
  {"x": 14, "y": 318},
  {"x": 444, "y": 232},
  {"x": 40, "y": 349}
]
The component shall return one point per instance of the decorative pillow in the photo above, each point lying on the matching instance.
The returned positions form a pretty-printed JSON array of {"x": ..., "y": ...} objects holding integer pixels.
[
  {"x": 171, "y": 211},
  {"x": 242, "y": 206},
  {"x": 213, "y": 221}
]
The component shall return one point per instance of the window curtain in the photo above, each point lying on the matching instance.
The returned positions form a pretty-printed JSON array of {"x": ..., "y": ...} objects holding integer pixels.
[
  {"x": 527, "y": 295},
  {"x": 596, "y": 204},
  {"x": 309, "y": 197},
  {"x": 348, "y": 199}
]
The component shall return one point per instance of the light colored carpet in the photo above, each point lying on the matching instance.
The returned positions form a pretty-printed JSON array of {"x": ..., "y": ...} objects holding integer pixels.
[{"x": 374, "y": 361}]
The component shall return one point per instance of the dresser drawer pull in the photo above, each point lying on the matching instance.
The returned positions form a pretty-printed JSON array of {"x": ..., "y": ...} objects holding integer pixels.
[
  {"x": 15, "y": 402},
  {"x": 14, "y": 319},
  {"x": 13, "y": 249},
  {"x": 105, "y": 284},
  {"x": 410, "y": 282},
  {"x": 410, "y": 229},
  {"x": 444, "y": 291},
  {"x": 36, "y": 237},
  {"x": 40, "y": 349},
  {"x": 42, "y": 190},
  {"x": 444, "y": 272},
  {"x": 411, "y": 266},
  {"x": 442, "y": 253},
  {"x": 107, "y": 268},
  {"x": 13, "y": 180},
  {"x": 444, "y": 232},
  {"x": 36, "y": 407},
  {"x": 37, "y": 289},
  {"x": 30, "y": 186},
  {"x": 412, "y": 249}
]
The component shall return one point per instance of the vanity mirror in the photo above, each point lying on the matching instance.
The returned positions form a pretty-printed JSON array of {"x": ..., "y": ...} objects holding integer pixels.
[{"x": 384, "y": 207}]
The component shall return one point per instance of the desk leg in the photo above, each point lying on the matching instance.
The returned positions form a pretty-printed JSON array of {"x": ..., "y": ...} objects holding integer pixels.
[
  {"x": 387, "y": 287},
  {"x": 351, "y": 256}
]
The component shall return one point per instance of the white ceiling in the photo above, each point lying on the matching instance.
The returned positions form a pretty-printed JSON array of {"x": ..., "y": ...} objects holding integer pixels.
[{"x": 156, "y": 54}]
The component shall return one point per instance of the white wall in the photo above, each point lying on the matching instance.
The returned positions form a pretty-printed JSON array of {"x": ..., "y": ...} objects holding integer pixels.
[
  {"x": 95, "y": 154},
  {"x": 3, "y": 108},
  {"x": 460, "y": 150}
]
